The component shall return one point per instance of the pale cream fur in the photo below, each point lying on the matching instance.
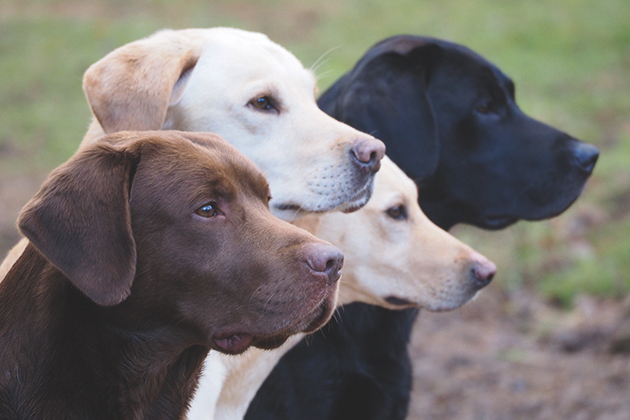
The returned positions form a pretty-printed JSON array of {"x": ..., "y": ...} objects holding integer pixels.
[
  {"x": 410, "y": 259},
  {"x": 205, "y": 80}
]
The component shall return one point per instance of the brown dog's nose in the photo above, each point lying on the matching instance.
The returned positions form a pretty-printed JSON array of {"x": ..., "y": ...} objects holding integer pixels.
[
  {"x": 325, "y": 260},
  {"x": 368, "y": 153},
  {"x": 483, "y": 270}
]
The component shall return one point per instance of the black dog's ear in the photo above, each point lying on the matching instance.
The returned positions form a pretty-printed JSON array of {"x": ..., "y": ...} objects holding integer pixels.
[
  {"x": 80, "y": 221},
  {"x": 385, "y": 95}
]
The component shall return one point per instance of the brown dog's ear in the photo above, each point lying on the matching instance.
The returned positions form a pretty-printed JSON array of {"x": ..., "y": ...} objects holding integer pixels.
[
  {"x": 80, "y": 221},
  {"x": 131, "y": 87}
]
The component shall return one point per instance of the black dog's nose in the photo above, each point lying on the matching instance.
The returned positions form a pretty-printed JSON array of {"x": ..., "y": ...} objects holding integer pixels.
[
  {"x": 367, "y": 154},
  {"x": 483, "y": 270},
  {"x": 586, "y": 157},
  {"x": 325, "y": 259}
]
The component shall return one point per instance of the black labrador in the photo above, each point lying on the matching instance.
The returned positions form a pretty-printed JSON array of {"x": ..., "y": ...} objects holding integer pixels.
[
  {"x": 146, "y": 251},
  {"x": 449, "y": 119}
]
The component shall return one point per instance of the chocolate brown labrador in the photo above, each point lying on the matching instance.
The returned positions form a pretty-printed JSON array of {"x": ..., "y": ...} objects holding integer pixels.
[{"x": 146, "y": 251}]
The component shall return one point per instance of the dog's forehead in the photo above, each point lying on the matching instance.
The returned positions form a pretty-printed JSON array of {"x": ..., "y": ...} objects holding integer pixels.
[
  {"x": 240, "y": 170},
  {"x": 392, "y": 186},
  {"x": 227, "y": 166},
  {"x": 461, "y": 57},
  {"x": 242, "y": 55},
  {"x": 251, "y": 43},
  {"x": 200, "y": 159},
  {"x": 467, "y": 62}
]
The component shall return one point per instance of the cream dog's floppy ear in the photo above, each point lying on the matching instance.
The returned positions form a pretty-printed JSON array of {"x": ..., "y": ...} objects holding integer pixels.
[{"x": 131, "y": 87}]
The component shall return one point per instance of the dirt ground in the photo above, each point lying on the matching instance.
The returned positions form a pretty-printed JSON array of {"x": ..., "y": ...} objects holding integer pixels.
[{"x": 515, "y": 357}]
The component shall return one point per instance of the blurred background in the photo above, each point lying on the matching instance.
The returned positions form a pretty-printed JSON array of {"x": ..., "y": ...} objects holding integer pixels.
[{"x": 550, "y": 338}]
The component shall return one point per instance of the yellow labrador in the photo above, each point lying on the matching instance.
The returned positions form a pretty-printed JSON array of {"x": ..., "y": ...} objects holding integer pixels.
[
  {"x": 249, "y": 90},
  {"x": 395, "y": 257}
]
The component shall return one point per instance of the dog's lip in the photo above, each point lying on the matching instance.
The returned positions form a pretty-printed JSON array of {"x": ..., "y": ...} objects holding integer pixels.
[
  {"x": 352, "y": 208},
  {"x": 352, "y": 204},
  {"x": 360, "y": 199},
  {"x": 396, "y": 301},
  {"x": 232, "y": 343},
  {"x": 270, "y": 342},
  {"x": 323, "y": 313},
  {"x": 288, "y": 207},
  {"x": 235, "y": 343},
  {"x": 498, "y": 221}
]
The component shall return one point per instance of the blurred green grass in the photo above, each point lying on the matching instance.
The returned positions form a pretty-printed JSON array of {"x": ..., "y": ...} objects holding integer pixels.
[{"x": 570, "y": 60}]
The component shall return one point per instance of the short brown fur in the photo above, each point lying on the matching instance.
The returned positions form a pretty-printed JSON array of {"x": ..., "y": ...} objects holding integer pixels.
[{"x": 124, "y": 287}]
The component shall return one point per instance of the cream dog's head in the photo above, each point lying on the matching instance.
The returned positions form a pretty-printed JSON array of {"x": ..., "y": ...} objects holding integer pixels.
[
  {"x": 395, "y": 257},
  {"x": 252, "y": 92}
]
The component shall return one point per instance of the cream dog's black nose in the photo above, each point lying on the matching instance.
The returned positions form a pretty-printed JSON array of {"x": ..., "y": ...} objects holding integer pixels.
[{"x": 483, "y": 270}]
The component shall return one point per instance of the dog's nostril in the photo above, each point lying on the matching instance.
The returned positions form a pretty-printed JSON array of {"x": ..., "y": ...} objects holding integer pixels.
[
  {"x": 368, "y": 153},
  {"x": 331, "y": 265},
  {"x": 483, "y": 270},
  {"x": 325, "y": 259},
  {"x": 483, "y": 276},
  {"x": 586, "y": 156}
]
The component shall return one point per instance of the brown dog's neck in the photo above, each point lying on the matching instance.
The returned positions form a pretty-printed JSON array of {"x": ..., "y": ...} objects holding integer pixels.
[{"x": 60, "y": 349}]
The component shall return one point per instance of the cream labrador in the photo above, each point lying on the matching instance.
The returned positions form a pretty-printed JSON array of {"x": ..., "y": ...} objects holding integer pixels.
[
  {"x": 249, "y": 90},
  {"x": 394, "y": 257}
]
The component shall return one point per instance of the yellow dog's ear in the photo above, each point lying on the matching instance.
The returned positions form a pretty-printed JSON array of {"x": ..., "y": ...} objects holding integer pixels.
[{"x": 131, "y": 87}]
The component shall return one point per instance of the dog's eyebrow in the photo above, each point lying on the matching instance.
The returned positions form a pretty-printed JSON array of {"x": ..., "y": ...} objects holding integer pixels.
[
  {"x": 265, "y": 89},
  {"x": 255, "y": 182},
  {"x": 213, "y": 188}
]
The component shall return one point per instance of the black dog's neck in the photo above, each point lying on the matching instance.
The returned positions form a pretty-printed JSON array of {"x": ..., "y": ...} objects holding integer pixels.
[{"x": 64, "y": 355}]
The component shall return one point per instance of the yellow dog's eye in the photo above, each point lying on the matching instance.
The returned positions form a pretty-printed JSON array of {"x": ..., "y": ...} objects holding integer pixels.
[
  {"x": 397, "y": 212},
  {"x": 207, "y": 210}
]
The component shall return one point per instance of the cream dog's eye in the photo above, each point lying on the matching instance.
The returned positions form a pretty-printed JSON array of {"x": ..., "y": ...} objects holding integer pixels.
[
  {"x": 397, "y": 212},
  {"x": 207, "y": 210},
  {"x": 264, "y": 103}
]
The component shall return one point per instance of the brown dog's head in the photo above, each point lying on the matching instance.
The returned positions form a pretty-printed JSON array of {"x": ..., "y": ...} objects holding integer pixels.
[{"x": 175, "y": 227}]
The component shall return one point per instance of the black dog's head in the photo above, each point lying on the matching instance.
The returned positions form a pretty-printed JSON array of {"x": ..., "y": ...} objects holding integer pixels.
[{"x": 449, "y": 119}]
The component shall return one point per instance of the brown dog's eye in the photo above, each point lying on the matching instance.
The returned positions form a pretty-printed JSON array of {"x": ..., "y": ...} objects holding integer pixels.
[
  {"x": 397, "y": 212},
  {"x": 263, "y": 103},
  {"x": 207, "y": 210}
]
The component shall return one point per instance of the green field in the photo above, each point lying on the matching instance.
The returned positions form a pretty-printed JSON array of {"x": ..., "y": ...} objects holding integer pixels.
[{"x": 570, "y": 60}]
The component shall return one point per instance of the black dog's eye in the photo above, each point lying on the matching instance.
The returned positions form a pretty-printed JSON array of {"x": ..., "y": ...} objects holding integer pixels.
[
  {"x": 207, "y": 210},
  {"x": 264, "y": 103},
  {"x": 397, "y": 212},
  {"x": 484, "y": 108}
]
